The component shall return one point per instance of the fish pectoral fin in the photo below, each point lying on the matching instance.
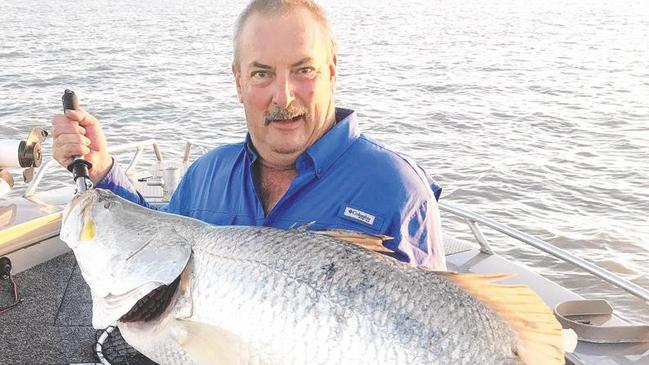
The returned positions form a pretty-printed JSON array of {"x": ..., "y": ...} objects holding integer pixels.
[
  {"x": 161, "y": 258},
  {"x": 207, "y": 344},
  {"x": 367, "y": 241},
  {"x": 540, "y": 336}
]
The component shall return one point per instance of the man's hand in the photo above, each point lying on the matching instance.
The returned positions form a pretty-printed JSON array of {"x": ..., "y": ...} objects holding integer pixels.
[{"x": 78, "y": 133}]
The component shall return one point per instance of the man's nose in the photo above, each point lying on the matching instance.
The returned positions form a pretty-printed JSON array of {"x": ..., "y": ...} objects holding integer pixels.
[{"x": 283, "y": 94}]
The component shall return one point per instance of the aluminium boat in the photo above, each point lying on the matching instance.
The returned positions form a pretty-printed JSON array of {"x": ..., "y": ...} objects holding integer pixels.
[{"x": 50, "y": 322}]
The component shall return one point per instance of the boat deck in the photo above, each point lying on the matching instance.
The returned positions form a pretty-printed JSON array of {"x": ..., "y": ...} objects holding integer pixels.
[{"x": 52, "y": 324}]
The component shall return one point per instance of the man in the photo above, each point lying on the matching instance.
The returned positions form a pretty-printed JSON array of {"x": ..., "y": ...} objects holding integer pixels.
[{"x": 303, "y": 160}]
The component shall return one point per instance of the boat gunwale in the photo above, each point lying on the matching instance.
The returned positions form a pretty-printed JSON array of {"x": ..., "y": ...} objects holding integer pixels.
[{"x": 472, "y": 219}]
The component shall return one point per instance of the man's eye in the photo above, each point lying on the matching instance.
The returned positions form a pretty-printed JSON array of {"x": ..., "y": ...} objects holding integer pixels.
[
  {"x": 259, "y": 75},
  {"x": 306, "y": 71}
]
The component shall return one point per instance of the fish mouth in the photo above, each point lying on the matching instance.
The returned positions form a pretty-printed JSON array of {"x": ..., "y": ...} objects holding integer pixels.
[
  {"x": 152, "y": 305},
  {"x": 77, "y": 215},
  {"x": 83, "y": 199}
]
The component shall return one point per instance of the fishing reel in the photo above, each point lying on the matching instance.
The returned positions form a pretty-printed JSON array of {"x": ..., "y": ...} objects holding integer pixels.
[{"x": 25, "y": 154}]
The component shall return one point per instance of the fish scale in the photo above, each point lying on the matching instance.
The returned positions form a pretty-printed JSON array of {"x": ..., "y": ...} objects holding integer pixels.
[
  {"x": 263, "y": 296},
  {"x": 383, "y": 309},
  {"x": 377, "y": 311}
]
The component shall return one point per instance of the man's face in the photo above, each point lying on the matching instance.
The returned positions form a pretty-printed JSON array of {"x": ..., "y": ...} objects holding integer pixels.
[{"x": 285, "y": 80}]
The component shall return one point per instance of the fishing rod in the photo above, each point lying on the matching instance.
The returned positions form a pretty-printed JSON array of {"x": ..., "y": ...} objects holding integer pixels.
[{"x": 79, "y": 167}]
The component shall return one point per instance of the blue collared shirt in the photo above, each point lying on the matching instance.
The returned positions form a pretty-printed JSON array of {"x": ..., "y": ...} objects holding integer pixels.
[{"x": 344, "y": 181}]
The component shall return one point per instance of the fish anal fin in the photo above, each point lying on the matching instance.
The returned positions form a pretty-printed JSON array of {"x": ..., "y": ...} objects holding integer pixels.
[
  {"x": 540, "y": 336},
  {"x": 367, "y": 241},
  {"x": 211, "y": 345}
]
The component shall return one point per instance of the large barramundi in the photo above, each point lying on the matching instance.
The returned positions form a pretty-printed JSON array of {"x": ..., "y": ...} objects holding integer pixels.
[{"x": 186, "y": 292}]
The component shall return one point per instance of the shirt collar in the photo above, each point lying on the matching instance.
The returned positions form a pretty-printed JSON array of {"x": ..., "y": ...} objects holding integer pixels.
[
  {"x": 326, "y": 150},
  {"x": 322, "y": 154},
  {"x": 251, "y": 153}
]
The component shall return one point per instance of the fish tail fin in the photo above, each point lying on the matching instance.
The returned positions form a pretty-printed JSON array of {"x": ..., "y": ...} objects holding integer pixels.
[{"x": 540, "y": 336}]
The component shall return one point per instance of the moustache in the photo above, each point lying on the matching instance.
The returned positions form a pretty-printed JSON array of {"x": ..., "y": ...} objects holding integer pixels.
[{"x": 278, "y": 113}]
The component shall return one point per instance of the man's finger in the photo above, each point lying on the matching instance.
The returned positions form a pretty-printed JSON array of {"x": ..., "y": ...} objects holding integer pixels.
[
  {"x": 75, "y": 150},
  {"x": 66, "y": 127},
  {"x": 64, "y": 139},
  {"x": 75, "y": 115},
  {"x": 61, "y": 158},
  {"x": 81, "y": 116},
  {"x": 59, "y": 118}
]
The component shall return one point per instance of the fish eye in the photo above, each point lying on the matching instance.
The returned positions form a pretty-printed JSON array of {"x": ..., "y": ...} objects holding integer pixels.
[{"x": 107, "y": 205}]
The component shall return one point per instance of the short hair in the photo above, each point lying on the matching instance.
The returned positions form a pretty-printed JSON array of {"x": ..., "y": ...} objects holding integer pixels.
[{"x": 276, "y": 7}]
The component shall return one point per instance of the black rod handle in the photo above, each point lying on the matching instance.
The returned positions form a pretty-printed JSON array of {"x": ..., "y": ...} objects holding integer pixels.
[
  {"x": 70, "y": 100},
  {"x": 79, "y": 167}
]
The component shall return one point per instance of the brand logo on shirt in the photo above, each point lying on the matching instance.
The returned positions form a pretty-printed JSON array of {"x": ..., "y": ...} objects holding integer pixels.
[{"x": 359, "y": 215}]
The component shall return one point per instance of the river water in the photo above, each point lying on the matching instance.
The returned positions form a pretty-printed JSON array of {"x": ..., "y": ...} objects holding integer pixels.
[{"x": 532, "y": 113}]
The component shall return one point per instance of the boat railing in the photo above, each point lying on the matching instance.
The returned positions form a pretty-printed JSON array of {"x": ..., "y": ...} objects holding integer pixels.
[
  {"x": 473, "y": 219},
  {"x": 202, "y": 147},
  {"x": 138, "y": 148}
]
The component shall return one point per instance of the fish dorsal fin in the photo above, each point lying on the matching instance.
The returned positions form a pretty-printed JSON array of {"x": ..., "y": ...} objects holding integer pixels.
[
  {"x": 539, "y": 334},
  {"x": 367, "y": 241},
  {"x": 302, "y": 228}
]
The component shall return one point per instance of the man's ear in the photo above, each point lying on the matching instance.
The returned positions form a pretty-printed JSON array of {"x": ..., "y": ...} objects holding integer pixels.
[
  {"x": 332, "y": 73},
  {"x": 237, "y": 80},
  {"x": 332, "y": 68}
]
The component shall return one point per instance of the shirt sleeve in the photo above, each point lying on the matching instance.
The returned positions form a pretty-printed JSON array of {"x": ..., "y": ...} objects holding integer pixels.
[
  {"x": 416, "y": 225},
  {"x": 421, "y": 236},
  {"x": 117, "y": 182}
]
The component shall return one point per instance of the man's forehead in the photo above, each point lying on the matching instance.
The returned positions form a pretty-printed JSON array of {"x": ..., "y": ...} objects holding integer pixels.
[
  {"x": 289, "y": 38},
  {"x": 295, "y": 15}
]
